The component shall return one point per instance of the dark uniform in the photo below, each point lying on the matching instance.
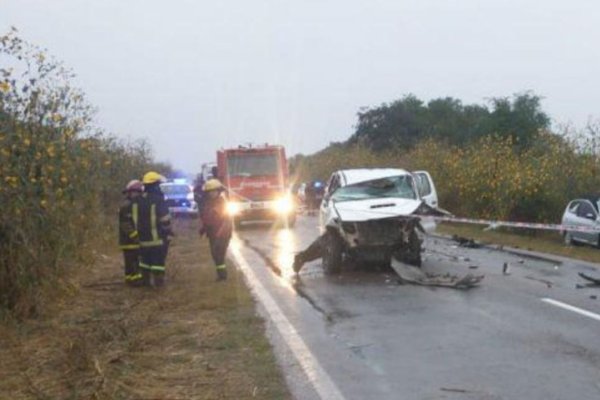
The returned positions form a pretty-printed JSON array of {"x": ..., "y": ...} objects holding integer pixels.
[
  {"x": 218, "y": 228},
  {"x": 154, "y": 229},
  {"x": 129, "y": 240}
]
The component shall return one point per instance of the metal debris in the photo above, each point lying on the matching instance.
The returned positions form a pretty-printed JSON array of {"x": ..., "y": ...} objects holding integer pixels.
[
  {"x": 466, "y": 242},
  {"x": 592, "y": 282},
  {"x": 407, "y": 274}
]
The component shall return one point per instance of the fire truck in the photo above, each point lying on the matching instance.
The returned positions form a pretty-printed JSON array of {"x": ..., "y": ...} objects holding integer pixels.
[{"x": 257, "y": 181}]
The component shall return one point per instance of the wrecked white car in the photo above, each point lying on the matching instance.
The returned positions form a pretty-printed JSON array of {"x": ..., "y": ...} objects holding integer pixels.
[{"x": 373, "y": 214}]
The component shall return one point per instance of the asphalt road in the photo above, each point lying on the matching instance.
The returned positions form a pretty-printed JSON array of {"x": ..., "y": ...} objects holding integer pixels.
[{"x": 367, "y": 337}]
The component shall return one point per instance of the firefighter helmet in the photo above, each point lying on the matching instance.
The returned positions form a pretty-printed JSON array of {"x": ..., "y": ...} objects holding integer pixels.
[
  {"x": 212, "y": 184},
  {"x": 152, "y": 177},
  {"x": 134, "y": 186}
]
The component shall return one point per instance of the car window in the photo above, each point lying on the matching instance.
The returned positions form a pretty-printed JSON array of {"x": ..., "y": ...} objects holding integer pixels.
[
  {"x": 423, "y": 184},
  {"x": 573, "y": 207},
  {"x": 394, "y": 186},
  {"x": 333, "y": 185},
  {"x": 584, "y": 209}
]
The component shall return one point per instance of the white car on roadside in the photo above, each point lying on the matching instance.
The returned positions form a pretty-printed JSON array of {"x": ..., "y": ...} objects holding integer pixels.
[
  {"x": 583, "y": 213},
  {"x": 374, "y": 214}
]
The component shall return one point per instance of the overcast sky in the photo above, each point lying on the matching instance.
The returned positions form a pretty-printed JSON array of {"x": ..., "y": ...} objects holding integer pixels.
[{"x": 193, "y": 76}]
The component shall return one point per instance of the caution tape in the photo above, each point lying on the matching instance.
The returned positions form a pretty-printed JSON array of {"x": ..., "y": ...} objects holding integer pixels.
[{"x": 510, "y": 224}]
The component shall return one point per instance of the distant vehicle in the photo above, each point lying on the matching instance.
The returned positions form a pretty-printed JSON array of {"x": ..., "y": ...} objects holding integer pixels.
[
  {"x": 313, "y": 195},
  {"x": 180, "y": 198},
  {"x": 257, "y": 183},
  {"x": 583, "y": 212},
  {"x": 369, "y": 214}
]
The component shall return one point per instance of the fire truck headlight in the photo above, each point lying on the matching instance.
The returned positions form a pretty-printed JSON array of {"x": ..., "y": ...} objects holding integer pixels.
[
  {"x": 284, "y": 205},
  {"x": 233, "y": 208}
]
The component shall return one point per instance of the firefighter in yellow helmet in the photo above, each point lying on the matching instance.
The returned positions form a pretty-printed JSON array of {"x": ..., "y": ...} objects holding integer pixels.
[
  {"x": 154, "y": 229},
  {"x": 216, "y": 224},
  {"x": 129, "y": 241}
]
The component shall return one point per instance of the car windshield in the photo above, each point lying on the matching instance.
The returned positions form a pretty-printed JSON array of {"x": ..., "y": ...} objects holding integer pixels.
[
  {"x": 252, "y": 165},
  {"x": 395, "y": 186},
  {"x": 175, "y": 189}
]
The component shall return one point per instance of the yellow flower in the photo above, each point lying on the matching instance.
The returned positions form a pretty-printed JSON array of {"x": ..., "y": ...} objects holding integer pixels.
[{"x": 4, "y": 87}]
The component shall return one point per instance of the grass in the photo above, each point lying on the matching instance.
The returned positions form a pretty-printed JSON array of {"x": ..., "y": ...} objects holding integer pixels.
[
  {"x": 546, "y": 242},
  {"x": 195, "y": 339}
]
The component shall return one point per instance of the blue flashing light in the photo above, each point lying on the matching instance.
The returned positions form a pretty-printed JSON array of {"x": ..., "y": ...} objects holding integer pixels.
[
  {"x": 180, "y": 180},
  {"x": 318, "y": 184}
]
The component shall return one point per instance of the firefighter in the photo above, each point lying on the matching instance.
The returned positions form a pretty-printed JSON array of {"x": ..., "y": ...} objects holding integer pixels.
[
  {"x": 128, "y": 235},
  {"x": 216, "y": 224},
  {"x": 154, "y": 229}
]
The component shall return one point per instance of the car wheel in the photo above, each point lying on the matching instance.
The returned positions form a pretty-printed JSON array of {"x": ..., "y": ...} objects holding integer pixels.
[
  {"x": 413, "y": 249},
  {"x": 568, "y": 239},
  {"x": 332, "y": 254}
]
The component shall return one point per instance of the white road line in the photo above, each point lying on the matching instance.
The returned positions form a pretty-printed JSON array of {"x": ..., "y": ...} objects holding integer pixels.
[
  {"x": 577, "y": 310},
  {"x": 317, "y": 376}
]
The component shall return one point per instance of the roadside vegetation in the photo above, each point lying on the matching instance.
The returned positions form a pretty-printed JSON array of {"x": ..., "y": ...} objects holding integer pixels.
[
  {"x": 195, "y": 339},
  {"x": 500, "y": 162},
  {"x": 61, "y": 178}
]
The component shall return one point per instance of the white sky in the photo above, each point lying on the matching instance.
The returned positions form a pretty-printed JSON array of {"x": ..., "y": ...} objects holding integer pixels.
[{"x": 195, "y": 75}]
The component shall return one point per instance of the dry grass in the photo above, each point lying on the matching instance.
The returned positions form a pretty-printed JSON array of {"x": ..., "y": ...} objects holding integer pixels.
[
  {"x": 546, "y": 242},
  {"x": 195, "y": 339}
]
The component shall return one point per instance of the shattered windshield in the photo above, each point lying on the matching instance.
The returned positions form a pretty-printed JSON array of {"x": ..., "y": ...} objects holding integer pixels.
[
  {"x": 395, "y": 186},
  {"x": 252, "y": 165}
]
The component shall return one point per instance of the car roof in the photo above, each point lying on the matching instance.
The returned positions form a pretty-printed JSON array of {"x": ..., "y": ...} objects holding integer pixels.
[{"x": 352, "y": 176}]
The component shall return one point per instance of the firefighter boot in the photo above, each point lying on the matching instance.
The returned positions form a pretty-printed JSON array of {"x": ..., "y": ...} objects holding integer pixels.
[
  {"x": 159, "y": 278},
  {"x": 221, "y": 273},
  {"x": 146, "y": 278}
]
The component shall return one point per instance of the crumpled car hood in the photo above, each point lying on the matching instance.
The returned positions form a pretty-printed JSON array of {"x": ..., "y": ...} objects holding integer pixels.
[{"x": 364, "y": 210}]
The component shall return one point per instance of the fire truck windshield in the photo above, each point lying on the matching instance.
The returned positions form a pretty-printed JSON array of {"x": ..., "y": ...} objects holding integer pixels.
[{"x": 252, "y": 165}]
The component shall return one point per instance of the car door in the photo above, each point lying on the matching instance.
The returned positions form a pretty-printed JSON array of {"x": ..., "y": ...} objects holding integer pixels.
[
  {"x": 326, "y": 211},
  {"x": 587, "y": 217},
  {"x": 570, "y": 217},
  {"x": 426, "y": 188}
]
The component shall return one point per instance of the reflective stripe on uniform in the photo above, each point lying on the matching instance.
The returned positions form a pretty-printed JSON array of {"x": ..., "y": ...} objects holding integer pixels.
[
  {"x": 133, "y": 234},
  {"x": 152, "y": 243},
  {"x": 129, "y": 246},
  {"x": 144, "y": 266},
  {"x": 133, "y": 277},
  {"x": 220, "y": 267},
  {"x": 153, "y": 227},
  {"x": 157, "y": 268},
  {"x": 134, "y": 214}
]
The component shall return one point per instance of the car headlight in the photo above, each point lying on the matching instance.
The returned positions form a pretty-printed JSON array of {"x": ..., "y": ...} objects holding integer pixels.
[
  {"x": 284, "y": 205},
  {"x": 233, "y": 208}
]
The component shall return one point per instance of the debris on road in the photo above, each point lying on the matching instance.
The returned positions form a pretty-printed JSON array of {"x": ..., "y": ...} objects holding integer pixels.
[
  {"x": 591, "y": 281},
  {"x": 544, "y": 281},
  {"x": 506, "y": 269},
  {"x": 408, "y": 274},
  {"x": 466, "y": 242}
]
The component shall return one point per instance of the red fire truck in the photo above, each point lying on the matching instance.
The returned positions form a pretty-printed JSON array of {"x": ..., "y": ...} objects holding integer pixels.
[{"x": 257, "y": 180}]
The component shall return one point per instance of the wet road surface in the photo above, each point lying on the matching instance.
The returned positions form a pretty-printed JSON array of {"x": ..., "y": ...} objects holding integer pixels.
[{"x": 520, "y": 336}]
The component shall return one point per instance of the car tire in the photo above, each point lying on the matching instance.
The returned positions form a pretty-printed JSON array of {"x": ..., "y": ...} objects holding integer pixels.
[
  {"x": 332, "y": 254},
  {"x": 568, "y": 239},
  {"x": 413, "y": 249}
]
